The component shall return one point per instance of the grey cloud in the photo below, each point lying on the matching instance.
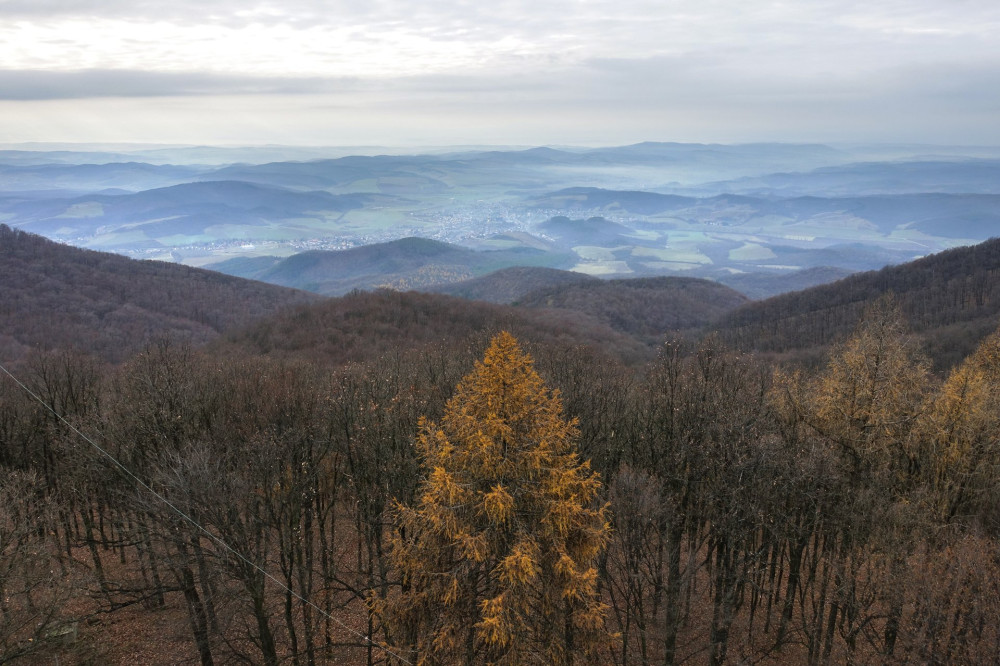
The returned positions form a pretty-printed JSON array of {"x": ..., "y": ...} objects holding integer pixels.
[
  {"x": 911, "y": 103},
  {"x": 444, "y": 15},
  {"x": 651, "y": 83},
  {"x": 974, "y": 85},
  {"x": 821, "y": 69},
  {"x": 46, "y": 85},
  {"x": 844, "y": 34},
  {"x": 601, "y": 19},
  {"x": 185, "y": 12}
]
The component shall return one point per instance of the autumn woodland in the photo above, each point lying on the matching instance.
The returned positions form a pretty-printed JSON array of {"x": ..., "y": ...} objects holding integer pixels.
[{"x": 415, "y": 479}]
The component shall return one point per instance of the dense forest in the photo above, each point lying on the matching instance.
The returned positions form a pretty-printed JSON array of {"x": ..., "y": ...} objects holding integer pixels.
[
  {"x": 347, "y": 482},
  {"x": 747, "y": 513},
  {"x": 950, "y": 300},
  {"x": 57, "y": 296},
  {"x": 642, "y": 307}
]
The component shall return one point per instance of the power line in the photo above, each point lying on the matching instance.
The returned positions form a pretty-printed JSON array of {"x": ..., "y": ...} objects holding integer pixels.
[{"x": 193, "y": 522}]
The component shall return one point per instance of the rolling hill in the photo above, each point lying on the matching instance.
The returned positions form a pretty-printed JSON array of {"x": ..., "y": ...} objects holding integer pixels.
[
  {"x": 949, "y": 215},
  {"x": 592, "y": 231},
  {"x": 132, "y": 176},
  {"x": 950, "y": 299},
  {"x": 191, "y": 210},
  {"x": 588, "y": 198},
  {"x": 510, "y": 284},
  {"x": 57, "y": 296},
  {"x": 762, "y": 285},
  {"x": 408, "y": 263},
  {"x": 364, "y": 325},
  {"x": 646, "y": 308},
  {"x": 955, "y": 176}
]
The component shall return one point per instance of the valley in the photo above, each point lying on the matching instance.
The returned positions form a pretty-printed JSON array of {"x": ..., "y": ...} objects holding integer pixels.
[{"x": 714, "y": 211}]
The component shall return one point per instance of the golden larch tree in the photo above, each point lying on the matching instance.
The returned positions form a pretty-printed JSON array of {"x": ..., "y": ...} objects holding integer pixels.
[
  {"x": 962, "y": 431},
  {"x": 866, "y": 407},
  {"x": 497, "y": 556},
  {"x": 870, "y": 396}
]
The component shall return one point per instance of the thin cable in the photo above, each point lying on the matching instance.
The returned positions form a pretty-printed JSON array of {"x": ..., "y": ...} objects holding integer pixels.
[{"x": 192, "y": 521}]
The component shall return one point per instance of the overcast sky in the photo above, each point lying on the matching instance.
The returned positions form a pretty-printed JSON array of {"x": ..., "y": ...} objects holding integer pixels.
[{"x": 433, "y": 72}]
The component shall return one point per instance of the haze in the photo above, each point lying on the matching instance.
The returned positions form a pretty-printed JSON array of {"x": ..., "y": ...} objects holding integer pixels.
[{"x": 412, "y": 74}]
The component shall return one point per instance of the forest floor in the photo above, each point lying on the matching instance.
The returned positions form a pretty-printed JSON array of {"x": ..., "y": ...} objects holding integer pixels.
[{"x": 143, "y": 634}]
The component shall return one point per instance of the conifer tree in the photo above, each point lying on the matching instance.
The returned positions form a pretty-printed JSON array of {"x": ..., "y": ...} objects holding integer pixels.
[
  {"x": 866, "y": 407},
  {"x": 962, "y": 433},
  {"x": 871, "y": 394},
  {"x": 497, "y": 556}
]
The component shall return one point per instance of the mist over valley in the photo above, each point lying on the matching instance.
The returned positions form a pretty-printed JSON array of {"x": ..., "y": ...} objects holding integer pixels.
[{"x": 733, "y": 213}]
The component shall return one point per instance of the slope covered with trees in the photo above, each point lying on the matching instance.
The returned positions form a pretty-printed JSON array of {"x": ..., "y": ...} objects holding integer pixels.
[
  {"x": 509, "y": 285},
  {"x": 356, "y": 478},
  {"x": 950, "y": 299},
  {"x": 56, "y": 296},
  {"x": 364, "y": 325},
  {"x": 842, "y": 515},
  {"x": 646, "y": 308},
  {"x": 762, "y": 285}
]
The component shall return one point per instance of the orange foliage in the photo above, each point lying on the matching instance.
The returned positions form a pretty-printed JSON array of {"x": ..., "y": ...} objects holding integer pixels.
[{"x": 497, "y": 555}]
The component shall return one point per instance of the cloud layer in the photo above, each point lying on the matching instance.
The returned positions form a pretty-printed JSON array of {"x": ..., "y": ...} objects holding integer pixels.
[{"x": 916, "y": 69}]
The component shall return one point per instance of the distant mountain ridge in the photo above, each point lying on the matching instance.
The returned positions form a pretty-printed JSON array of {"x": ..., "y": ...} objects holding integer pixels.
[
  {"x": 652, "y": 208},
  {"x": 956, "y": 215},
  {"x": 954, "y": 176},
  {"x": 18, "y": 177},
  {"x": 408, "y": 263},
  {"x": 187, "y": 208}
]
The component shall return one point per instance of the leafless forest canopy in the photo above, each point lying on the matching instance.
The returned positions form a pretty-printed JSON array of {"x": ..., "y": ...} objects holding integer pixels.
[{"x": 815, "y": 482}]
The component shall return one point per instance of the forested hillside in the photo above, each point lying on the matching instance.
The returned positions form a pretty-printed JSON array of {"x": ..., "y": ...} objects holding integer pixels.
[
  {"x": 365, "y": 325},
  {"x": 647, "y": 308},
  {"x": 415, "y": 478},
  {"x": 56, "y": 296},
  {"x": 764, "y": 285},
  {"x": 508, "y": 285},
  {"x": 951, "y": 300}
]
